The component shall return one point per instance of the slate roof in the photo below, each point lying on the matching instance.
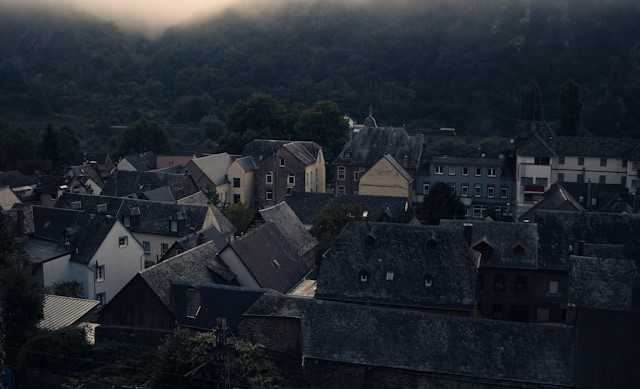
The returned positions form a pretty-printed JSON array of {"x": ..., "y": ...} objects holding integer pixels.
[
  {"x": 308, "y": 206},
  {"x": 370, "y": 144},
  {"x": 600, "y": 197},
  {"x": 513, "y": 245},
  {"x": 247, "y": 163},
  {"x": 40, "y": 250},
  {"x": 162, "y": 194},
  {"x": 86, "y": 170},
  {"x": 195, "y": 239},
  {"x": 197, "y": 198},
  {"x": 84, "y": 231},
  {"x": 270, "y": 258},
  {"x": 416, "y": 255},
  {"x": 198, "y": 266},
  {"x": 556, "y": 198},
  {"x": 603, "y": 283},
  {"x": 283, "y": 217},
  {"x": 142, "y": 184},
  {"x": 15, "y": 179},
  {"x": 50, "y": 184},
  {"x": 466, "y": 147},
  {"x": 61, "y": 312},
  {"x": 216, "y": 301},
  {"x": 212, "y": 168},
  {"x": 480, "y": 349},
  {"x": 147, "y": 216},
  {"x": 143, "y": 161},
  {"x": 306, "y": 152},
  {"x": 580, "y": 146}
]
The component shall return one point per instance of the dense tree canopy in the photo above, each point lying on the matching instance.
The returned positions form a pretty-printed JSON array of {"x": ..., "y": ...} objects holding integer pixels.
[{"x": 440, "y": 203}]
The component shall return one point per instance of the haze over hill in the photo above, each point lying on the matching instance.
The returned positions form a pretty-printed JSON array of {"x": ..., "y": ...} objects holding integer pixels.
[{"x": 453, "y": 63}]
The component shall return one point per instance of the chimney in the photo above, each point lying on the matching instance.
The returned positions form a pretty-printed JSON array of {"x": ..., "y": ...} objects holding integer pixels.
[{"x": 468, "y": 232}]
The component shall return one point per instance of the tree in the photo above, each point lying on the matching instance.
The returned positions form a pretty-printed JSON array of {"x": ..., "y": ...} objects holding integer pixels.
[
  {"x": 324, "y": 124},
  {"x": 49, "y": 146},
  {"x": 440, "y": 203},
  {"x": 261, "y": 114},
  {"x": 570, "y": 108},
  {"x": 69, "y": 146},
  {"x": 240, "y": 216},
  {"x": 144, "y": 136},
  {"x": 68, "y": 289},
  {"x": 332, "y": 220}
]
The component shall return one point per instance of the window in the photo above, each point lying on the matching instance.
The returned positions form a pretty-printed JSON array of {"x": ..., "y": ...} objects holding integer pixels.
[
  {"x": 389, "y": 276},
  {"x": 291, "y": 180},
  {"x": 504, "y": 192},
  {"x": 192, "y": 297},
  {"x": 465, "y": 171},
  {"x": 477, "y": 211},
  {"x": 100, "y": 273},
  {"x": 580, "y": 161},
  {"x": 268, "y": 195},
  {"x": 364, "y": 276},
  {"x": 236, "y": 182},
  {"x": 342, "y": 173},
  {"x": 477, "y": 190},
  {"x": 553, "y": 287},
  {"x": 426, "y": 188},
  {"x": 603, "y": 162},
  {"x": 101, "y": 208},
  {"x": 356, "y": 176},
  {"x": 282, "y": 163},
  {"x": 268, "y": 178},
  {"x": 602, "y": 179},
  {"x": 276, "y": 264},
  {"x": 542, "y": 314},
  {"x": 102, "y": 297},
  {"x": 580, "y": 178},
  {"x": 527, "y": 181},
  {"x": 174, "y": 226},
  {"x": 123, "y": 241},
  {"x": 146, "y": 246},
  {"x": 491, "y": 191},
  {"x": 498, "y": 211},
  {"x": 76, "y": 204},
  {"x": 428, "y": 281},
  {"x": 164, "y": 247},
  {"x": 464, "y": 190},
  {"x": 560, "y": 177},
  {"x": 452, "y": 188},
  {"x": 452, "y": 171},
  {"x": 499, "y": 283},
  {"x": 439, "y": 170},
  {"x": 491, "y": 172},
  {"x": 561, "y": 160},
  {"x": 236, "y": 198},
  {"x": 478, "y": 171},
  {"x": 340, "y": 189}
]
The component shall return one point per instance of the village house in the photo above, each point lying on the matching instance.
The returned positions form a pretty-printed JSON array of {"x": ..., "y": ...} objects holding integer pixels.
[
  {"x": 94, "y": 250},
  {"x": 140, "y": 162},
  {"x": 210, "y": 174},
  {"x": 285, "y": 168},
  {"x": 59, "y": 312},
  {"x": 8, "y": 199},
  {"x": 209, "y": 234},
  {"x": 85, "y": 176},
  {"x": 154, "y": 186},
  {"x": 156, "y": 225},
  {"x": 366, "y": 147},
  {"x": 386, "y": 178},
  {"x": 416, "y": 267}
]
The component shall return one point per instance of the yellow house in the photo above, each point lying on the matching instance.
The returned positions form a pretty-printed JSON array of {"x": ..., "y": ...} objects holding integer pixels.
[
  {"x": 386, "y": 178},
  {"x": 241, "y": 178}
]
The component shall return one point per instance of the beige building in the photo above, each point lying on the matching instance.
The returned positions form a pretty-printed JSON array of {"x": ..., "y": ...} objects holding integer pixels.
[
  {"x": 241, "y": 177},
  {"x": 386, "y": 178}
]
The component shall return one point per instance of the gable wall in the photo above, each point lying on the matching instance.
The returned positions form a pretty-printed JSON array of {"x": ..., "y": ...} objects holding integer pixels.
[{"x": 384, "y": 180}]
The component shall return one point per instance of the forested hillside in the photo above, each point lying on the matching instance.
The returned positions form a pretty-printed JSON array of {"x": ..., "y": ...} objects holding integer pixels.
[{"x": 454, "y": 63}]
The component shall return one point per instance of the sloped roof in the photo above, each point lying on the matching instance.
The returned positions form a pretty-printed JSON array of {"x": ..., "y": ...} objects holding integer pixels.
[
  {"x": 580, "y": 146},
  {"x": 148, "y": 216},
  {"x": 600, "y": 197},
  {"x": 308, "y": 206},
  {"x": 198, "y": 266},
  {"x": 142, "y": 161},
  {"x": 504, "y": 239},
  {"x": 15, "y": 179},
  {"x": 61, "y": 312},
  {"x": 427, "y": 342},
  {"x": 198, "y": 198},
  {"x": 283, "y": 217},
  {"x": 556, "y": 198},
  {"x": 125, "y": 183},
  {"x": 40, "y": 250},
  {"x": 162, "y": 193},
  {"x": 210, "y": 234},
  {"x": 270, "y": 258},
  {"x": 84, "y": 231},
  {"x": 86, "y": 170},
  {"x": 306, "y": 152},
  {"x": 396, "y": 165},
  {"x": 370, "y": 144},
  {"x": 414, "y": 254},
  {"x": 214, "y": 167},
  {"x": 247, "y": 163},
  {"x": 603, "y": 283},
  {"x": 489, "y": 148},
  {"x": 223, "y": 223}
]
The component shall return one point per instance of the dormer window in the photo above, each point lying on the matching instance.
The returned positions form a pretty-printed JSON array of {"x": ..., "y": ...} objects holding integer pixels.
[
  {"x": 390, "y": 275},
  {"x": 282, "y": 162},
  {"x": 126, "y": 220},
  {"x": 101, "y": 208},
  {"x": 364, "y": 276},
  {"x": 485, "y": 249},
  {"x": 428, "y": 281}
]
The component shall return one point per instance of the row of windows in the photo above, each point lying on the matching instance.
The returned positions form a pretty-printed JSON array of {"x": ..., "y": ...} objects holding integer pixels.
[
  {"x": 520, "y": 284},
  {"x": 467, "y": 190},
  {"x": 342, "y": 174},
  {"x": 464, "y": 171},
  {"x": 603, "y": 161},
  {"x": 268, "y": 179},
  {"x": 602, "y": 179},
  {"x": 268, "y": 195},
  {"x": 390, "y": 276},
  {"x": 479, "y": 211}
]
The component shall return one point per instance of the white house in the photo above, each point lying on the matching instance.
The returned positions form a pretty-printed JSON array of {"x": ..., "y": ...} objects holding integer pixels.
[{"x": 96, "y": 251}]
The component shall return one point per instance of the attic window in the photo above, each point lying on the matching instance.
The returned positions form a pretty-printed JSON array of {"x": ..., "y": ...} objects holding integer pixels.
[
  {"x": 76, "y": 204},
  {"x": 390, "y": 276},
  {"x": 428, "y": 281},
  {"x": 193, "y": 306},
  {"x": 364, "y": 276},
  {"x": 275, "y": 263},
  {"x": 101, "y": 208},
  {"x": 518, "y": 250}
]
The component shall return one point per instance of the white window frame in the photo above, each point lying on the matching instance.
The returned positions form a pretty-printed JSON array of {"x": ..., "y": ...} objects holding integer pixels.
[
  {"x": 478, "y": 172},
  {"x": 452, "y": 170},
  {"x": 268, "y": 195},
  {"x": 268, "y": 178},
  {"x": 291, "y": 180},
  {"x": 465, "y": 171},
  {"x": 491, "y": 191},
  {"x": 479, "y": 209},
  {"x": 124, "y": 239},
  {"x": 100, "y": 273},
  {"x": 438, "y": 170},
  {"x": 390, "y": 276},
  {"x": 426, "y": 188},
  {"x": 477, "y": 190},
  {"x": 464, "y": 190},
  {"x": 282, "y": 162},
  {"x": 504, "y": 189},
  {"x": 342, "y": 173},
  {"x": 491, "y": 172}
]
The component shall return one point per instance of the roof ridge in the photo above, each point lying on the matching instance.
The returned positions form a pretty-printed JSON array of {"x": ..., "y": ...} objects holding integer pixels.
[
  {"x": 69, "y": 298},
  {"x": 177, "y": 256}
]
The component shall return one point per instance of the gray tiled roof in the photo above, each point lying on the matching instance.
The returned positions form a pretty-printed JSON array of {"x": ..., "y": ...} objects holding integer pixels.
[
  {"x": 467, "y": 147},
  {"x": 283, "y": 217},
  {"x": 505, "y": 240},
  {"x": 556, "y": 198},
  {"x": 597, "y": 147},
  {"x": 414, "y": 254},
  {"x": 142, "y": 161},
  {"x": 306, "y": 152},
  {"x": 603, "y": 283},
  {"x": 198, "y": 266},
  {"x": 61, "y": 312},
  {"x": 466, "y": 347},
  {"x": 125, "y": 183},
  {"x": 271, "y": 258},
  {"x": 247, "y": 163}
]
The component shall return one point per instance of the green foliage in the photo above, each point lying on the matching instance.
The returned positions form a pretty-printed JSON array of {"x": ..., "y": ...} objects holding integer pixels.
[
  {"x": 144, "y": 136},
  {"x": 332, "y": 220},
  {"x": 68, "y": 289},
  {"x": 16, "y": 145},
  {"x": 324, "y": 124},
  {"x": 240, "y": 216},
  {"x": 51, "y": 350},
  {"x": 49, "y": 147},
  {"x": 440, "y": 203}
]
